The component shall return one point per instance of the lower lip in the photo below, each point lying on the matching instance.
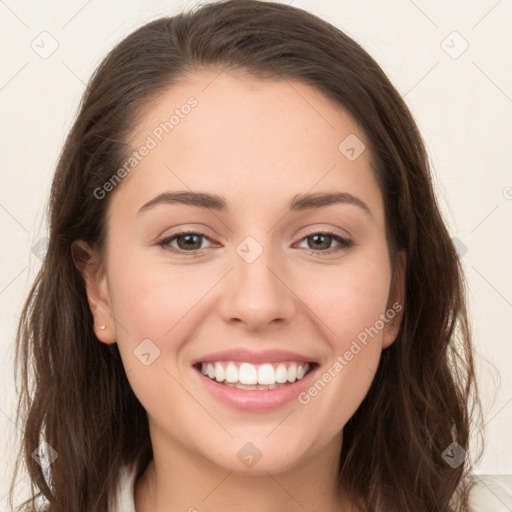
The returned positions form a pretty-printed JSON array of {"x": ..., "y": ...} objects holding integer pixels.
[{"x": 256, "y": 400}]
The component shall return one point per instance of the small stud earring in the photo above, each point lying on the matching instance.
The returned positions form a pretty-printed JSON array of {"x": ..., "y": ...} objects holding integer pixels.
[{"x": 101, "y": 327}]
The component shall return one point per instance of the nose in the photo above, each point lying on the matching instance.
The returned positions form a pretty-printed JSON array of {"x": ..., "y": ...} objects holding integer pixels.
[{"x": 256, "y": 294}]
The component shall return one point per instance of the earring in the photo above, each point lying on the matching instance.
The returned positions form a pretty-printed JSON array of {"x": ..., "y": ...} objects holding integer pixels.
[{"x": 101, "y": 327}]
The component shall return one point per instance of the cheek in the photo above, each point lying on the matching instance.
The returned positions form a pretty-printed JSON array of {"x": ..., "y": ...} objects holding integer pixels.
[
  {"x": 351, "y": 305},
  {"x": 156, "y": 302},
  {"x": 349, "y": 298},
  {"x": 150, "y": 298}
]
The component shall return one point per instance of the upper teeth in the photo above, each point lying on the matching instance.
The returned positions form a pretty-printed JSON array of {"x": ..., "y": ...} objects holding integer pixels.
[{"x": 247, "y": 373}]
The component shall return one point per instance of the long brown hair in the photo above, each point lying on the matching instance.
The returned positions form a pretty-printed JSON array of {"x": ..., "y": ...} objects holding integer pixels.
[{"x": 74, "y": 392}]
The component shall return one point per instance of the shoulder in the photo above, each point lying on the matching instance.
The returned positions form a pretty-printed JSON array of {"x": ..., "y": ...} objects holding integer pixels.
[
  {"x": 123, "y": 497},
  {"x": 491, "y": 493}
]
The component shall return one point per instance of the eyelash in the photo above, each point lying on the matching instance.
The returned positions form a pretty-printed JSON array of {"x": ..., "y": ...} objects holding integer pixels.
[{"x": 344, "y": 243}]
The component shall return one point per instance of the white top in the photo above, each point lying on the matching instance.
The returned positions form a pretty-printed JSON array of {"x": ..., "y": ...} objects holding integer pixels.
[{"x": 490, "y": 494}]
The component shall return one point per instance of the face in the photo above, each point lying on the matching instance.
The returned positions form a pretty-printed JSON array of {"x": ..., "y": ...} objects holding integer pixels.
[{"x": 257, "y": 289}]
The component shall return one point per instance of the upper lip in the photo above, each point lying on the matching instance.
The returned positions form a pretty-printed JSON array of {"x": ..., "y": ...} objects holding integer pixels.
[{"x": 254, "y": 357}]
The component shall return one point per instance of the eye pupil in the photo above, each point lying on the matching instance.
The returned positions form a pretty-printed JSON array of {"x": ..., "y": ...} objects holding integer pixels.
[
  {"x": 188, "y": 237},
  {"x": 319, "y": 235}
]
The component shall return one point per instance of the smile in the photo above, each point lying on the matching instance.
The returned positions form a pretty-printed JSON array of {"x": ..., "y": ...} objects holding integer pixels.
[
  {"x": 243, "y": 375},
  {"x": 255, "y": 387}
]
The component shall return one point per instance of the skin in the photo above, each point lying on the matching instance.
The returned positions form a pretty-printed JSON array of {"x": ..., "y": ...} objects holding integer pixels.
[{"x": 258, "y": 144}]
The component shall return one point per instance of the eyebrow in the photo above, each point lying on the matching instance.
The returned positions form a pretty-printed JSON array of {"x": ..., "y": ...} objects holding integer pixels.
[{"x": 299, "y": 202}]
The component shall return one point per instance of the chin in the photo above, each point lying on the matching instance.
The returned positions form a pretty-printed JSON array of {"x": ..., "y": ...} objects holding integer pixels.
[{"x": 257, "y": 457}]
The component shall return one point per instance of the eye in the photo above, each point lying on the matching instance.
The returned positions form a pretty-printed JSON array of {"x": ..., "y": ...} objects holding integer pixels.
[
  {"x": 187, "y": 241},
  {"x": 320, "y": 242}
]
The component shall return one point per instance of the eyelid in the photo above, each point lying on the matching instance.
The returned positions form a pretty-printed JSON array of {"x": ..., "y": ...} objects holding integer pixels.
[{"x": 325, "y": 231}]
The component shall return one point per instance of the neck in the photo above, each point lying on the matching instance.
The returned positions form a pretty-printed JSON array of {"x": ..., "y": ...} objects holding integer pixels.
[{"x": 179, "y": 480}]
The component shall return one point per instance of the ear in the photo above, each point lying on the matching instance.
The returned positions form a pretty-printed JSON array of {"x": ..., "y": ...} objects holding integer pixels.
[
  {"x": 396, "y": 300},
  {"x": 93, "y": 272}
]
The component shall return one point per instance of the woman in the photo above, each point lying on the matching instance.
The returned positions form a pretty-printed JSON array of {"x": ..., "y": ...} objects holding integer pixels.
[{"x": 250, "y": 300}]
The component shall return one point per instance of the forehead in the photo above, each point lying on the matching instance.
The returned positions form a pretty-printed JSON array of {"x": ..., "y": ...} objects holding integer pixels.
[
  {"x": 237, "y": 105},
  {"x": 252, "y": 138}
]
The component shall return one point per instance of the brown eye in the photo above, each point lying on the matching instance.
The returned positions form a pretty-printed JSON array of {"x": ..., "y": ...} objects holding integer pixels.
[
  {"x": 321, "y": 242},
  {"x": 186, "y": 242},
  {"x": 189, "y": 241}
]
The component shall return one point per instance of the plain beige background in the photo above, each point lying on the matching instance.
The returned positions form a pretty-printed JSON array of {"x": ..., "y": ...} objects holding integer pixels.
[{"x": 451, "y": 62}]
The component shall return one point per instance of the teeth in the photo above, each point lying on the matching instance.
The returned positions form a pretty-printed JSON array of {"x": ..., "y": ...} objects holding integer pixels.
[
  {"x": 220, "y": 374},
  {"x": 301, "y": 371},
  {"x": 231, "y": 373},
  {"x": 249, "y": 376},
  {"x": 292, "y": 373},
  {"x": 266, "y": 375},
  {"x": 281, "y": 374}
]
